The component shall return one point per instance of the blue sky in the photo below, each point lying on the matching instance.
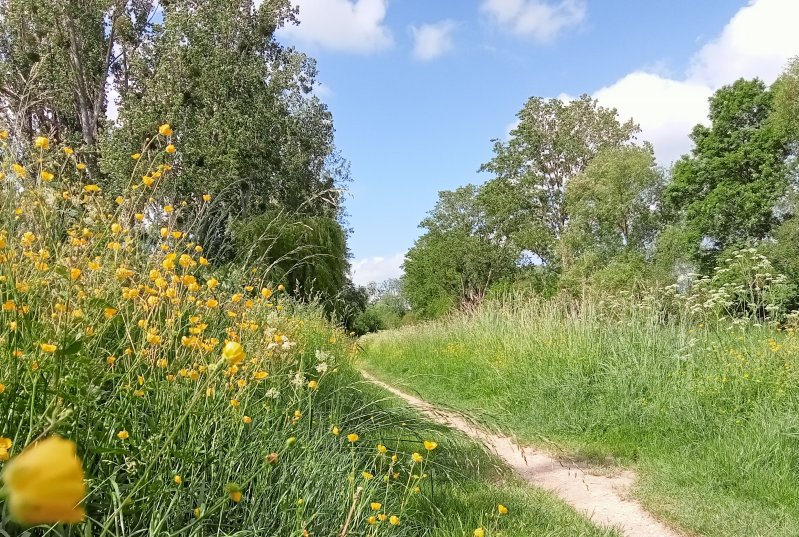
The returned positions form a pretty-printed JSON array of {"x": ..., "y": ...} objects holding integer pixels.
[{"x": 418, "y": 88}]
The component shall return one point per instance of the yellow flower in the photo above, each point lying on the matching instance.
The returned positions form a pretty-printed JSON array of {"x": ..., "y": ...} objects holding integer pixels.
[
  {"x": 46, "y": 176},
  {"x": 352, "y": 438},
  {"x": 235, "y": 495},
  {"x": 165, "y": 130},
  {"x": 206, "y": 198},
  {"x": 168, "y": 209},
  {"x": 5, "y": 445},
  {"x": 246, "y": 419},
  {"x": 313, "y": 385},
  {"x": 68, "y": 150},
  {"x": 74, "y": 274},
  {"x": 381, "y": 448},
  {"x": 394, "y": 520},
  {"x": 266, "y": 292},
  {"x": 197, "y": 512},
  {"x": 19, "y": 170},
  {"x": 3, "y": 134},
  {"x": 91, "y": 189},
  {"x": 136, "y": 156},
  {"x": 479, "y": 532},
  {"x": 502, "y": 509},
  {"x": 147, "y": 180},
  {"x": 81, "y": 166},
  {"x": 41, "y": 142},
  {"x": 123, "y": 435},
  {"x": 281, "y": 287},
  {"x": 2, "y": 387},
  {"x": 375, "y": 506},
  {"x": 170, "y": 149},
  {"x": 235, "y": 403},
  {"x": 178, "y": 480},
  {"x": 45, "y": 483},
  {"x": 335, "y": 431},
  {"x": 48, "y": 348},
  {"x": 233, "y": 353},
  {"x": 139, "y": 217},
  {"x": 417, "y": 457},
  {"x": 429, "y": 445},
  {"x": 372, "y": 520},
  {"x": 109, "y": 312},
  {"x": 367, "y": 475}
]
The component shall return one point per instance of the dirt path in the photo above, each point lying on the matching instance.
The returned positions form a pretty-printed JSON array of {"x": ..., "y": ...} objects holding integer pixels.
[{"x": 603, "y": 499}]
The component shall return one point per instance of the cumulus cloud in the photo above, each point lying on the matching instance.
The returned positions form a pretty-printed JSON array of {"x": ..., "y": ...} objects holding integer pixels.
[
  {"x": 377, "y": 269},
  {"x": 342, "y": 25},
  {"x": 757, "y": 42},
  {"x": 432, "y": 40},
  {"x": 542, "y": 20}
]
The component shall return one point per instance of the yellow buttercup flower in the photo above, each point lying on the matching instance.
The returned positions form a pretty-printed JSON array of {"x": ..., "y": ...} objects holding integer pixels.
[
  {"x": 170, "y": 149},
  {"x": 165, "y": 130},
  {"x": 233, "y": 353},
  {"x": 46, "y": 176},
  {"x": 136, "y": 156},
  {"x": 178, "y": 480},
  {"x": 352, "y": 438},
  {"x": 48, "y": 348},
  {"x": 335, "y": 431},
  {"x": 41, "y": 142},
  {"x": 394, "y": 520},
  {"x": 123, "y": 435},
  {"x": 479, "y": 532},
  {"x": 502, "y": 510},
  {"x": 19, "y": 170},
  {"x": 417, "y": 457},
  {"x": 45, "y": 483},
  {"x": 206, "y": 197},
  {"x": 429, "y": 445}
]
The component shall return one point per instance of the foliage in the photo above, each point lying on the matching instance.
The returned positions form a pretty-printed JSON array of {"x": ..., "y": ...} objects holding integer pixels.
[
  {"x": 730, "y": 190},
  {"x": 458, "y": 258},
  {"x": 553, "y": 142}
]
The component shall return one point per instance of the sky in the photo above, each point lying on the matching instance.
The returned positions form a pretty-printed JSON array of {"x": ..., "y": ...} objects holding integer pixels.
[{"x": 420, "y": 88}]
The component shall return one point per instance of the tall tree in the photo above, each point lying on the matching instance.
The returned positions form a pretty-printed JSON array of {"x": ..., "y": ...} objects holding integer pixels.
[
  {"x": 458, "y": 258},
  {"x": 730, "y": 189},
  {"x": 553, "y": 142}
]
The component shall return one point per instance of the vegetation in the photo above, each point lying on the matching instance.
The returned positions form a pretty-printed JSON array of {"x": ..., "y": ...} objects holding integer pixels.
[
  {"x": 701, "y": 405},
  {"x": 577, "y": 202}
]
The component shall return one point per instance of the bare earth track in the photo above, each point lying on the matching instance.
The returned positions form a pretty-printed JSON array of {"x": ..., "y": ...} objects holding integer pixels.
[{"x": 603, "y": 499}]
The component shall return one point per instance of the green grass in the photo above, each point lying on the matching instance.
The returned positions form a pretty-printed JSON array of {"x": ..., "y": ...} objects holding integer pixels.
[{"x": 709, "y": 417}]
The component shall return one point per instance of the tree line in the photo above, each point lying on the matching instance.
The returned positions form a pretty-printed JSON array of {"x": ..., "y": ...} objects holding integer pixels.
[{"x": 576, "y": 200}]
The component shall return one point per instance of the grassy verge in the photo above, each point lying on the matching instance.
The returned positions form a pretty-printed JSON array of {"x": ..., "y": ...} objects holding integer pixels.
[{"x": 707, "y": 415}]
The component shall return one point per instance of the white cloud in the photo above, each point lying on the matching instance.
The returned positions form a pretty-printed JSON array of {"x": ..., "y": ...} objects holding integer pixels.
[
  {"x": 757, "y": 42},
  {"x": 342, "y": 25},
  {"x": 432, "y": 40},
  {"x": 377, "y": 269},
  {"x": 540, "y": 19}
]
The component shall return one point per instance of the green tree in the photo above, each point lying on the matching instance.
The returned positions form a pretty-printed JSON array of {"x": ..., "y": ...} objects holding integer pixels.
[
  {"x": 730, "y": 190},
  {"x": 553, "y": 142},
  {"x": 458, "y": 258},
  {"x": 614, "y": 203}
]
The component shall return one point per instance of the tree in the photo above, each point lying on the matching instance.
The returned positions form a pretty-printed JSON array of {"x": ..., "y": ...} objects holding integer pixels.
[
  {"x": 553, "y": 142},
  {"x": 614, "y": 203},
  {"x": 458, "y": 257},
  {"x": 729, "y": 190}
]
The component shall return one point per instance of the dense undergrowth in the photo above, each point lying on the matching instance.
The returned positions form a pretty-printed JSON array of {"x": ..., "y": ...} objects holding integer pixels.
[
  {"x": 112, "y": 330},
  {"x": 705, "y": 408}
]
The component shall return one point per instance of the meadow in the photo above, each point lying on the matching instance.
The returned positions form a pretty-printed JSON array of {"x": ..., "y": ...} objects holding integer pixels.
[
  {"x": 145, "y": 390},
  {"x": 703, "y": 408}
]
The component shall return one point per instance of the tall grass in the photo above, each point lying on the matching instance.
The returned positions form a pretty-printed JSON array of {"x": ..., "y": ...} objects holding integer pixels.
[{"x": 706, "y": 411}]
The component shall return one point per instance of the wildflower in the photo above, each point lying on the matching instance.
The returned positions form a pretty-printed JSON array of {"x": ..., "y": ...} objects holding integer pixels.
[
  {"x": 352, "y": 438},
  {"x": 394, "y": 520},
  {"x": 147, "y": 180},
  {"x": 19, "y": 170},
  {"x": 235, "y": 496},
  {"x": 417, "y": 457},
  {"x": 313, "y": 385},
  {"x": 429, "y": 445},
  {"x": 74, "y": 274},
  {"x": 109, "y": 312},
  {"x": 80, "y": 166},
  {"x": 281, "y": 287},
  {"x": 170, "y": 149},
  {"x": 372, "y": 520},
  {"x": 68, "y": 151},
  {"x": 479, "y": 532},
  {"x": 197, "y": 512},
  {"x": 119, "y": 200},
  {"x": 48, "y": 348},
  {"x": 502, "y": 510},
  {"x": 136, "y": 156},
  {"x": 375, "y": 506},
  {"x": 3, "y": 134},
  {"x": 41, "y": 142},
  {"x": 367, "y": 475},
  {"x": 206, "y": 198},
  {"x": 235, "y": 403},
  {"x": 381, "y": 448},
  {"x": 46, "y": 176},
  {"x": 45, "y": 483},
  {"x": 91, "y": 189},
  {"x": 123, "y": 435},
  {"x": 178, "y": 480},
  {"x": 246, "y": 419},
  {"x": 266, "y": 292},
  {"x": 233, "y": 353},
  {"x": 165, "y": 130},
  {"x": 335, "y": 431}
]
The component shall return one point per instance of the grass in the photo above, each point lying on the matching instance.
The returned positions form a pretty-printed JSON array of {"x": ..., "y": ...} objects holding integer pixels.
[
  {"x": 112, "y": 334},
  {"x": 707, "y": 414}
]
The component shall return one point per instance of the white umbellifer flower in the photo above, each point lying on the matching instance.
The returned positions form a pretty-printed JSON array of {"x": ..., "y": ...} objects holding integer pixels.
[
  {"x": 321, "y": 367},
  {"x": 299, "y": 379},
  {"x": 272, "y": 393}
]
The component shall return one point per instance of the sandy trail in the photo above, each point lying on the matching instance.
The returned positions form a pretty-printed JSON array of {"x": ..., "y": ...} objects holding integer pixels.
[{"x": 603, "y": 499}]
